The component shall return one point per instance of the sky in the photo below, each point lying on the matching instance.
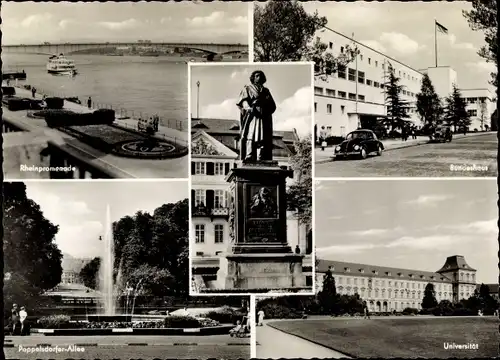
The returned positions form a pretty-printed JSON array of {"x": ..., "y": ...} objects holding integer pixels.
[
  {"x": 409, "y": 224},
  {"x": 34, "y": 23},
  {"x": 405, "y": 32},
  {"x": 289, "y": 84},
  {"x": 79, "y": 208}
]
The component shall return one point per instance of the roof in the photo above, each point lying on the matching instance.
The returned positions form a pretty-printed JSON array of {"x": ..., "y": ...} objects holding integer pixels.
[
  {"x": 455, "y": 262},
  {"x": 339, "y": 267}
]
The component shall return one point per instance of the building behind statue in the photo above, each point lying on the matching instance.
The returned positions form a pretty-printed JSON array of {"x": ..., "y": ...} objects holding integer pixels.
[{"x": 214, "y": 152}]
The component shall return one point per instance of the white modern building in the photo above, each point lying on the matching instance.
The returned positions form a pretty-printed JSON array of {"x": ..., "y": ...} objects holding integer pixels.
[
  {"x": 354, "y": 97},
  {"x": 215, "y": 151},
  {"x": 386, "y": 289},
  {"x": 480, "y": 107}
]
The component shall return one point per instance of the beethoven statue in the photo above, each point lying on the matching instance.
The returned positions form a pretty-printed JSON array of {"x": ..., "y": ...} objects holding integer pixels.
[
  {"x": 263, "y": 205},
  {"x": 256, "y": 122}
]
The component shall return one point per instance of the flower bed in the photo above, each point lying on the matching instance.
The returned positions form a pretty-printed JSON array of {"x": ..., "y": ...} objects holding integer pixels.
[{"x": 186, "y": 322}]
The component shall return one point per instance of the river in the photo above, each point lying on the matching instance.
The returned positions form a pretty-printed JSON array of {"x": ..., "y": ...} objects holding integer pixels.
[{"x": 142, "y": 85}]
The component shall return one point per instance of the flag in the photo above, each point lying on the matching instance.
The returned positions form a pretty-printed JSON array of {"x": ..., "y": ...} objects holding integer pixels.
[{"x": 441, "y": 28}]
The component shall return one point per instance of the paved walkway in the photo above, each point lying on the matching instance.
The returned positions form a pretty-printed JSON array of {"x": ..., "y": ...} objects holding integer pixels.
[
  {"x": 163, "y": 131},
  {"x": 275, "y": 344},
  {"x": 321, "y": 157}
]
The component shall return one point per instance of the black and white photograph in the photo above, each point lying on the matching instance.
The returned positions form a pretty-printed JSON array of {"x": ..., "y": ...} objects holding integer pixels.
[
  {"x": 405, "y": 269},
  {"x": 91, "y": 273},
  {"x": 99, "y": 89},
  {"x": 251, "y": 178},
  {"x": 401, "y": 88}
]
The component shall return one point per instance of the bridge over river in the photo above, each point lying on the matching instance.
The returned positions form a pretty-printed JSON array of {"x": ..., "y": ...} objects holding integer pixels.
[{"x": 68, "y": 48}]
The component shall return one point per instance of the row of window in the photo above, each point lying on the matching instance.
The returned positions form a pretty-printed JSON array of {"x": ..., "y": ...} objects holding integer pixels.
[
  {"x": 342, "y": 94},
  {"x": 474, "y": 100},
  {"x": 396, "y": 284},
  {"x": 200, "y": 233},
  {"x": 472, "y": 112},
  {"x": 212, "y": 199},
  {"x": 396, "y": 294},
  {"x": 210, "y": 168},
  {"x": 375, "y": 63},
  {"x": 329, "y": 108}
]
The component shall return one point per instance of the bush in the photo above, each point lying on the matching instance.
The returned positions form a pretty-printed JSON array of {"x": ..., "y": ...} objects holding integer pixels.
[
  {"x": 8, "y": 91},
  {"x": 410, "y": 311},
  {"x": 275, "y": 311},
  {"x": 181, "y": 322},
  {"x": 226, "y": 315},
  {"x": 334, "y": 140},
  {"x": 463, "y": 312},
  {"x": 17, "y": 104},
  {"x": 104, "y": 116},
  {"x": 54, "y": 322},
  {"x": 394, "y": 134},
  {"x": 54, "y": 103}
]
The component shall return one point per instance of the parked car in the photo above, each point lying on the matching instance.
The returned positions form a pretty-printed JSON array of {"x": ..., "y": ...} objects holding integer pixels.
[
  {"x": 359, "y": 143},
  {"x": 441, "y": 134}
]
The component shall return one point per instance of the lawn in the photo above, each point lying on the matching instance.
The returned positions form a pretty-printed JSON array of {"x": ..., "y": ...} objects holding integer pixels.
[{"x": 410, "y": 337}]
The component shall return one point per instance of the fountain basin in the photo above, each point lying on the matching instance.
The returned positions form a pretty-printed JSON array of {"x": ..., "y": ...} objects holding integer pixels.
[
  {"x": 213, "y": 330},
  {"x": 118, "y": 318}
]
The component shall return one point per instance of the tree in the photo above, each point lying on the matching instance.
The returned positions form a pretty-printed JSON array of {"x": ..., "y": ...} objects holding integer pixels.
[
  {"x": 327, "y": 297},
  {"x": 397, "y": 109},
  {"x": 483, "y": 115},
  {"x": 30, "y": 255},
  {"x": 428, "y": 103},
  {"x": 429, "y": 301},
  {"x": 455, "y": 110},
  {"x": 299, "y": 196},
  {"x": 483, "y": 16},
  {"x": 90, "y": 273},
  {"x": 284, "y": 31}
]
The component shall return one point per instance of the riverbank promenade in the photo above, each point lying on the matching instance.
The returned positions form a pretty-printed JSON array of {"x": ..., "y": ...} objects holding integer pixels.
[{"x": 31, "y": 136}]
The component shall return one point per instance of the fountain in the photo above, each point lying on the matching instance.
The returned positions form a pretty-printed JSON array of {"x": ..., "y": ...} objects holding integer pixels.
[{"x": 106, "y": 269}]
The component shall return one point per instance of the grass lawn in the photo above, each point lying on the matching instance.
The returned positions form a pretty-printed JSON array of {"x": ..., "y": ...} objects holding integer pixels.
[{"x": 405, "y": 337}]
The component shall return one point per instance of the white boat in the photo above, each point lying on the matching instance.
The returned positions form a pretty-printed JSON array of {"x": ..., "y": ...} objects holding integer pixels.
[{"x": 59, "y": 64}]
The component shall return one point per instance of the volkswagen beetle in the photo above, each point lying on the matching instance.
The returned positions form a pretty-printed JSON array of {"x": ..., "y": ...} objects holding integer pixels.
[{"x": 359, "y": 143}]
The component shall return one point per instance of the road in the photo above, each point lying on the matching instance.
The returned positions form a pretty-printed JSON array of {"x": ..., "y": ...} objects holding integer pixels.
[
  {"x": 275, "y": 344},
  {"x": 126, "y": 347},
  {"x": 428, "y": 160}
]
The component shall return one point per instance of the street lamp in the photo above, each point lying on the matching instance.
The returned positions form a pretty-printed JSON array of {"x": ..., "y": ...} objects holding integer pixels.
[{"x": 198, "y": 100}]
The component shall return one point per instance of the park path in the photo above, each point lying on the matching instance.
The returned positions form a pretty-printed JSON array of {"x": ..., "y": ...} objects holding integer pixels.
[{"x": 275, "y": 344}]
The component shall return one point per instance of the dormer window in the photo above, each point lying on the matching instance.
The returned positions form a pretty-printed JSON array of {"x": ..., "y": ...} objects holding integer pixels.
[
  {"x": 432, "y": 277},
  {"x": 400, "y": 274},
  {"x": 411, "y": 276},
  {"x": 362, "y": 271},
  {"x": 331, "y": 268},
  {"x": 375, "y": 272},
  {"x": 422, "y": 276},
  {"x": 388, "y": 273},
  {"x": 347, "y": 269}
]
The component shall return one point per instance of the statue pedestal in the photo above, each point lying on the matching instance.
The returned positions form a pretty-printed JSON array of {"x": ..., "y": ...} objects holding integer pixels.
[{"x": 259, "y": 256}]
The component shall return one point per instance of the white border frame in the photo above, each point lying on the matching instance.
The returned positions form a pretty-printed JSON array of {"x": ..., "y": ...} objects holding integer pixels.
[{"x": 191, "y": 230}]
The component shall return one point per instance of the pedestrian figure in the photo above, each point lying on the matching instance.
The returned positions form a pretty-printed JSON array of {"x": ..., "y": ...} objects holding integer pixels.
[
  {"x": 14, "y": 318},
  {"x": 413, "y": 133},
  {"x": 22, "y": 317},
  {"x": 89, "y": 102},
  {"x": 297, "y": 249},
  {"x": 8, "y": 82},
  {"x": 465, "y": 131},
  {"x": 403, "y": 134},
  {"x": 33, "y": 91},
  {"x": 367, "y": 312}
]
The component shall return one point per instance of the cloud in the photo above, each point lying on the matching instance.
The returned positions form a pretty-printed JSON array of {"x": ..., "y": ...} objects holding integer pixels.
[
  {"x": 36, "y": 20},
  {"x": 240, "y": 20},
  {"x": 56, "y": 208},
  {"x": 374, "y": 44},
  {"x": 429, "y": 200},
  {"x": 244, "y": 73},
  {"x": 64, "y": 24},
  {"x": 211, "y": 19},
  {"x": 400, "y": 43},
  {"x": 372, "y": 232},
  {"x": 424, "y": 242},
  {"x": 120, "y": 25},
  {"x": 482, "y": 227},
  {"x": 482, "y": 66},
  {"x": 460, "y": 46},
  {"x": 80, "y": 240},
  {"x": 165, "y": 20},
  {"x": 343, "y": 249},
  {"x": 295, "y": 112},
  {"x": 225, "y": 110}
]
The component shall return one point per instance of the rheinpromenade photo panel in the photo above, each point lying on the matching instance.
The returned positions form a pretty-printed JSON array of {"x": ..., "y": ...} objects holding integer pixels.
[
  {"x": 99, "y": 89},
  {"x": 251, "y": 178},
  {"x": 100, "y": 269},
  {"x": 401, "y": 88},
  {"x": 404, "y": 269}
]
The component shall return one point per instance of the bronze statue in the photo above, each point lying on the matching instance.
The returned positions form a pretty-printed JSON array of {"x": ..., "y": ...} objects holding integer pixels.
[
  {"x": 256, "y": 106},
  {"x": 263, "y": 205}
]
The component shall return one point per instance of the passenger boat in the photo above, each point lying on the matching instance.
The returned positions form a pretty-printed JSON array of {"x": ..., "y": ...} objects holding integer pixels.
[{"x": 59, "y": 64}]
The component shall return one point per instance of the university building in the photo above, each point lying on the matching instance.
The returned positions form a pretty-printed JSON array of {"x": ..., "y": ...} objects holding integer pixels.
[
  {"x": 71, "y": 268},
  {"x": 386, "y": 289},
  {"x": 354, "y": 97},
  {"x": 214, "y": 151}
]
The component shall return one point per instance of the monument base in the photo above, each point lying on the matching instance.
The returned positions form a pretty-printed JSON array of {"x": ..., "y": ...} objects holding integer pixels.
[{"x": 261, "y": 271}]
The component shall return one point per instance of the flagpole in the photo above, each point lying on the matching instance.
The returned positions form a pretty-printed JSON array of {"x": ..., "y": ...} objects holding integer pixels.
[
  {"x": 356, "y": 80},
  {"x": 435, "y": 43}
]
